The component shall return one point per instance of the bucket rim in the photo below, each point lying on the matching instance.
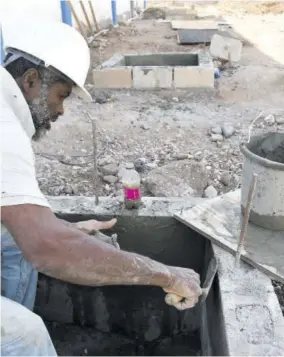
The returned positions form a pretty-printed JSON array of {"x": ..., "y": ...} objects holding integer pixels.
[{"x": 260, "y": 160}]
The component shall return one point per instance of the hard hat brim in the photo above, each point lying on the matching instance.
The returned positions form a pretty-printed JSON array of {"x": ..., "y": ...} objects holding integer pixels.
[{"x": 82, "y": 93}]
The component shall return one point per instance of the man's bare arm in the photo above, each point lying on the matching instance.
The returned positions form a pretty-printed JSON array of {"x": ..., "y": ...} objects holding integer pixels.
[{"x": 63, "y": 252}]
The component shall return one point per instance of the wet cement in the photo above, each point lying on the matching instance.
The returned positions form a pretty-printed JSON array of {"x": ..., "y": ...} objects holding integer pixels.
[
  {"x": 74, "y": 340},
  {"x": 271, "y": 148}
]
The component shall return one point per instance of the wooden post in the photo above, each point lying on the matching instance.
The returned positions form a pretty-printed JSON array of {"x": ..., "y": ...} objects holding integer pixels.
[
  {"x": 94, "y": 16},
  {"x": 77, "y": 20},
  {"x": 86, "y": 17}
]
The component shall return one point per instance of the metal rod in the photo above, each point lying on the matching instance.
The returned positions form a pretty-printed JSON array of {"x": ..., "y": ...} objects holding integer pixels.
[
  {"x": 94, "y": 16},
  {"x": 66, "y": 14},
  {"x": 114, "y": 13},
  {"x": 95, "y": 149},
  {"x": 77, "y": 20},
  {"x": 246, "y": 218},
  {"x": 86, "y": 17}
]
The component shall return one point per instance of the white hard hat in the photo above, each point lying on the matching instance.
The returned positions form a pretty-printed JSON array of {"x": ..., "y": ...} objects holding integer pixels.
[{"x": 56, "y": 44}]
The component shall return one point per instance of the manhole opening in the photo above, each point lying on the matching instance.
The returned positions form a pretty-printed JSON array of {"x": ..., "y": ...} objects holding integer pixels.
[
  {"x": 135, "y": 320},
  {"x": 154, "y": 60}
]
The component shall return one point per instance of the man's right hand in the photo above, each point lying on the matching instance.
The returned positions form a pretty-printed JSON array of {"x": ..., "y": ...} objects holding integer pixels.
[{"x": 186, "y": 285}]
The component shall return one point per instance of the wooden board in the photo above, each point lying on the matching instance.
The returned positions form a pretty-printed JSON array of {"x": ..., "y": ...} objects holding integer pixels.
[
  {"x": 220, "y": 219},
  {"x": 194, "y": 25}
]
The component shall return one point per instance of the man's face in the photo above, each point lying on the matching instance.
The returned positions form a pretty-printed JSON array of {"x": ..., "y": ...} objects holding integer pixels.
[{"x": 47, "y": 106}]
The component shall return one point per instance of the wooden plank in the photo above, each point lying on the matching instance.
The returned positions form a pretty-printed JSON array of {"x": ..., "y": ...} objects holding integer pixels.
[
  {"x": 220, "y": 220},
  {"x": 194, "y": 25}
]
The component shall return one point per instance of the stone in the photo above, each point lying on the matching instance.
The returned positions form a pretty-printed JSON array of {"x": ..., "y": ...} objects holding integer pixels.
[
  {"x": 110, "y": 169},
  {"x": 210, "y": 192},
  {"x": 145, "y": 126},
  {"x": 229, "y": 49},
  {"x": 151, "y": 165},
  {"x": 181, "y": 156},
  {"x": 280, "y": 121},
  {"x": 228, "y": 130},
  {"x": 112, "y": 78},
  {"x": 216, "y": 130},
  {"x": 140, "y": 164},
  {"x": 182, "y": 178},
  {"x": 270, "y": 119},
  {"x": 153, "y": 77},
  {"x": 175, "y": 99},
  {"x": 216, "y": 137},
  {"x": 198, "y": 156},
  {"x": 225, "y": 179},
  {"x": 193, "y": 77},
  {"x": 110, "y": 179}
]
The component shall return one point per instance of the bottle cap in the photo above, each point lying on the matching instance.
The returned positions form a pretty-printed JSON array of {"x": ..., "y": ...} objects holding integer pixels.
[{"x": 129, "y": 166}]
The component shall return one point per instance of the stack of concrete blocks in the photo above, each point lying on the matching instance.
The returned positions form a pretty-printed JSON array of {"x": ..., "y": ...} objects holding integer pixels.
[{"x": 154, "y": 71}]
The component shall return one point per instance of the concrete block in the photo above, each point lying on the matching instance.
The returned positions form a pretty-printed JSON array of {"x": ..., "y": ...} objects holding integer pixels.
[
  {"x": 193, "y": 77},
  {"x": 226, "y": 48},
  {"x": 112, "y": 78},
  {"x": 194, "y": 25},
  {"x": 186, "y": 36},
  {"x": 152, "y": 77}
]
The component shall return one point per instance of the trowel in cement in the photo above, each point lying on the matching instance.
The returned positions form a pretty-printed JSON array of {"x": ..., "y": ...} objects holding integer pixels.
[{"x": 173, "y": 299}]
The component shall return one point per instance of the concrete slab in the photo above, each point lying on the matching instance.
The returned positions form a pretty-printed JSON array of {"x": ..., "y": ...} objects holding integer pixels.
[
  {"x": 187, "y": 37},
  {"x": 193, "y": 77},
  {"x": 226, "y": 48},
  {"x": 194, "y": 25},
  {"x": 220, "y": 220}
]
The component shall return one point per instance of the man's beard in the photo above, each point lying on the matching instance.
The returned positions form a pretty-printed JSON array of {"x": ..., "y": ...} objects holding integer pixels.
[{"x": 42, "y": 116}]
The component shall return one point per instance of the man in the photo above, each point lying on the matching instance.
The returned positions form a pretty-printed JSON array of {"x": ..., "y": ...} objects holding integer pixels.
[{"x": 44, "y": 64}]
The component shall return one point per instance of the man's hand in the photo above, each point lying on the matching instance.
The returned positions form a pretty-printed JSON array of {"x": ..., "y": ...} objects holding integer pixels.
[
  {"x": 92, "y": 226},
  {"x": 186, "y": 284}
]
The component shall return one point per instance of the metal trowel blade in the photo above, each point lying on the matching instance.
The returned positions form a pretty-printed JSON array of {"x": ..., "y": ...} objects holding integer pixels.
[{"x": 210, "y": 275}]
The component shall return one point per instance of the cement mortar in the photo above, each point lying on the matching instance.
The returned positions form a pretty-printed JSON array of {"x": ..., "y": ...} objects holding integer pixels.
[{"x": 239, "y": 296}]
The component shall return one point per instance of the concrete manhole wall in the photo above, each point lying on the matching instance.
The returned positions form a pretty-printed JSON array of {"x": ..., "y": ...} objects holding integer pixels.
[
  {"x": 152, "y": 71},
  {"x": 241, "y": 315},
  {"x": 135, "y": 320}
]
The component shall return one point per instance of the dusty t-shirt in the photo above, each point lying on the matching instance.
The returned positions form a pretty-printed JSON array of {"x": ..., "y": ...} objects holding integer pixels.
[{"x": 18, "y": 177}]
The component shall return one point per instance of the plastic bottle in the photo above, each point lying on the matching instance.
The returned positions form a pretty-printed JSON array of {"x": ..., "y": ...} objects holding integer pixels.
[{"x": 131, "y": 187}]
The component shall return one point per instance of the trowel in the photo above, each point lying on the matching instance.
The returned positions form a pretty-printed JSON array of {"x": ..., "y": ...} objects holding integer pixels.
[{"x": 212, "y": 269}]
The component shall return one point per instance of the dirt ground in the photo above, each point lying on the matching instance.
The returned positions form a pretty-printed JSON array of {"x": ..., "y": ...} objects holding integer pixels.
[{"x": 164, "y": 126}]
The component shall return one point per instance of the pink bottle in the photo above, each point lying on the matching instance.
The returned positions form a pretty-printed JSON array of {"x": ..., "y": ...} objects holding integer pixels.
[{"x": 131, "y": 187}]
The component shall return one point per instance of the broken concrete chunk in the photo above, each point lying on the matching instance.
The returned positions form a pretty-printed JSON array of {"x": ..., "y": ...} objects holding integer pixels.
[
  {"x": 145, "y": 126},
  {"x": 228, "y": 130},
  {"x": 280, "y": 121},
  {"x": 216, "y": 137},
  {"x": 210, "y": 192},
  {"x": 140, "y": 164},
  {"x": 177, "y": 179},
  {"x": 225, "y": 179},
  {"x": 226, "y": 48},
  {"x": 110, "y": 179},
  {"x": 111, "y": 169},
  {"x": 270, "y": 119},
  {"x": 216, "y": 130}
]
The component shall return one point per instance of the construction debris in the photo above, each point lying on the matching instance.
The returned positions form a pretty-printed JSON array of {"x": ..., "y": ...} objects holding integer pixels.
[{"x": 226, "y": 48}]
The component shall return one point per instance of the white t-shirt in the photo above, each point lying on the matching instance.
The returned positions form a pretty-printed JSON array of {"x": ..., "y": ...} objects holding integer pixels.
[{"x": 18, "y": 177}]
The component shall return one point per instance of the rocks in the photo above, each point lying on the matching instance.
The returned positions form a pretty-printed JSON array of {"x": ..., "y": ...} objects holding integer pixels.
[
  {"x": 216, "y": 137},
  {"x": 228, "y": 130},
  {"x": 110, "y": 179},
  {"x": 210, "y": 192},
  {"x": 198, "y": 156},
  {"x": 216, "y": 130},
  {"x": 269, "y": 119},
  {"x": 110, "y": 169},
  {"x": 225, "y": 179},
  {"x": 177, "y": 179},
  {"x": 181, "y": 156},
  {"x": 140, "y": 164},
  {"x": 145, "y": 126},
  {"x": 154, "y": 13},
  {"x": 280, "y": 121}
]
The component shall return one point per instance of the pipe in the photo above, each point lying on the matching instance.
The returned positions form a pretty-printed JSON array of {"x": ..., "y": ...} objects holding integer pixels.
[
  {"x": 2, "y": 54},
  {"x": 145, "y": 4},
  {"x": 94, "y": 16},
  {"x": 66, "y": 14},
  {"x": 86, "y": 17},
  {"x": 114, "y": 13}
]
